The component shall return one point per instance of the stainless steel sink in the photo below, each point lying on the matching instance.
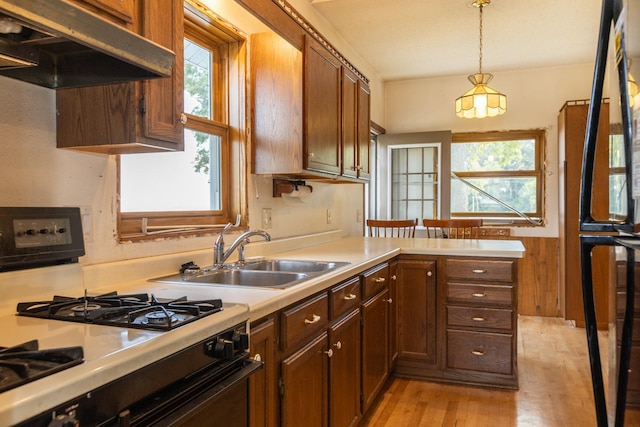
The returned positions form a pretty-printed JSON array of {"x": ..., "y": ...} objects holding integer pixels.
[
  {"x": 295, "y": 266},
  {"x": 268, "y": 273}
]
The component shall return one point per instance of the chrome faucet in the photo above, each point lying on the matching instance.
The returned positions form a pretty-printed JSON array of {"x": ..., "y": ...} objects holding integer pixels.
[{"x": 219, "y": 253}]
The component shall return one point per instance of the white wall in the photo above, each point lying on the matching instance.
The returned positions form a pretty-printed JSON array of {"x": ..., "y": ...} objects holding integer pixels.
[{"x": 534, "y": 98}]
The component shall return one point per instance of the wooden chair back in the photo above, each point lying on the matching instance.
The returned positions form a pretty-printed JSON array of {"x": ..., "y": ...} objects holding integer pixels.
[
  {"x": 452, "y": 228},
  {"x": 392, "y": 227}
]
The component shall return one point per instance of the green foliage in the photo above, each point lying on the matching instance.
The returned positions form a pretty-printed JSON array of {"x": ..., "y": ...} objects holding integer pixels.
[{"x": 197, "y": 85}]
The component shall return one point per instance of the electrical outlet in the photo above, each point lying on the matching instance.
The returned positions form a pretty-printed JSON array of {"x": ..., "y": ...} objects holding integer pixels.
[
  {"x": 328, "y": 216},
  {"x": 87, "y": 223},
  {"x": 359, "y": 215},
  {"x": 266, "y": 218}
]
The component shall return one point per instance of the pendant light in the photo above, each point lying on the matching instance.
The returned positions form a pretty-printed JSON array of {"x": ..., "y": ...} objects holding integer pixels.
[{"x": 481, "y": 101}]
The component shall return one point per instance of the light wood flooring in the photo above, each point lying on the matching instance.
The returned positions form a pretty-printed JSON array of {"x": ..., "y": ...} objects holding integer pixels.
[{"x": 555, "y": 388}]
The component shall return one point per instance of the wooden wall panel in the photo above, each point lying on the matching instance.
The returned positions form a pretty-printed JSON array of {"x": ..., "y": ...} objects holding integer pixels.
[{"x": 538, "y": 277}]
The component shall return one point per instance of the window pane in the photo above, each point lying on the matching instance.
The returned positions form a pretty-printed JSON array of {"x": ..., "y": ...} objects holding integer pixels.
[
  {"x": 516, "y": 155},
  {"x": 197, "y": 80},
  {"x": 176, "y": 181},
  {"x": 519, "y": 193},
  {"x": 618, "y": 194}
]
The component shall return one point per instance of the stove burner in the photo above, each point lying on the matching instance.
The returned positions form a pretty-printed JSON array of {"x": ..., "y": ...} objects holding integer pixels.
[
  {"x": 160, "y": 317},
  {"x": 141, "y": 311},
  {"x": 84, "y": 310}
]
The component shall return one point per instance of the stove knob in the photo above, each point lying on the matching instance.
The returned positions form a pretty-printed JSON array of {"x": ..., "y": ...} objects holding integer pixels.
[
  {"x": 222, "y": 349},
  {"x": 31, "y": 232},
  {"x": 241, "y": 341},
  {"x": 64, "y": 421}
]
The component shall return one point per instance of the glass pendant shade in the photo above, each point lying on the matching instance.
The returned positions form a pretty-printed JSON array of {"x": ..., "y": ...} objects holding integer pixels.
[{"x": 481, "y": 101}]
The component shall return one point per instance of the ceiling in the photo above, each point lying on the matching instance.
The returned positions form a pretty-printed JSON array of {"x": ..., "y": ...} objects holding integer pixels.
[{"x": 407, "y": 39}]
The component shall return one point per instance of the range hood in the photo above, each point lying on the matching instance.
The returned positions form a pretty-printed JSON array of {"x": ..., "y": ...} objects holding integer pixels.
[{"x": 57, "y": 44}]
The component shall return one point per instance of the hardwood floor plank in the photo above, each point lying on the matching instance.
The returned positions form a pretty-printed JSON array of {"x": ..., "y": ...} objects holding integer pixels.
[{"x": 555, "y": 388}]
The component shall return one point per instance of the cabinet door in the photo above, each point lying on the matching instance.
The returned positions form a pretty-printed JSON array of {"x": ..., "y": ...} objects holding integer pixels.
[
  {"x": 344, "y": 369},
  {"x": 364, "y": 131},
  {"x": 417, "y": 298},
  {"x": 163, "y": 98},
  {"x": 322, "y": 75},
  {"x": 349, "y": 124},
  {"x": 375, "y": 346},
  {"x": 263, "y": 396},
  {"x": 304, "y": 385},
  {"x": 130, "y": 117},
  {"x": 393, "y": 312},
  {"x": 121, "y": 10}
]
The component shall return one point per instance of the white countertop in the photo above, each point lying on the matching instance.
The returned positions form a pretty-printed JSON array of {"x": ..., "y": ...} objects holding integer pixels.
[{"x": 111, "y": 352}]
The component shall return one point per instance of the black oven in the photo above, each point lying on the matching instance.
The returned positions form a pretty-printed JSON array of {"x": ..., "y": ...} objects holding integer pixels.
[{"x": 204, "y": 384}]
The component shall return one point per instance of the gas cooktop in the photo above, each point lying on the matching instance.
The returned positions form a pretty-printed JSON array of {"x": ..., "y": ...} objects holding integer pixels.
[
  {"x": 142, "y": 311},
  {"x": 25, "y": 363}
]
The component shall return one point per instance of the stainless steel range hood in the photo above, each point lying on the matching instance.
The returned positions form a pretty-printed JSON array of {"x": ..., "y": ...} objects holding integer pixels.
[{"x": 56, "y": 44}]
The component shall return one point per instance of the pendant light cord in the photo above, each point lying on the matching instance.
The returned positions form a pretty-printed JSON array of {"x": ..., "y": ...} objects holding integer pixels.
[{"x": 481, "y": 6}]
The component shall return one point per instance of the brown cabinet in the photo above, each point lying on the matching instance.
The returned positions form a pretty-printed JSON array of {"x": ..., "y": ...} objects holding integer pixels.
[
  {"x": 119, "y": 11},
  {"x": 303, "y": 321},
  {"x": 572, "y": 122},
  {"x": 130, "y": 117},
  {"x": 417, "y": 318},
  {"x": 344, "y": 371},
  {"x": 375, "y": 333},
  {"x": 263, "y": 393},
  {"x": 481, "y": 321},
  {"x": 310, "y": 114},
  {"x": 305, "y": 385}
]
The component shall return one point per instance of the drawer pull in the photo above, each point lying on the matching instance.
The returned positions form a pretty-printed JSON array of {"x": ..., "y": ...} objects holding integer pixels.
[
  {"x": 349, "y": 297},
  {"x": 479, "y": 271},
  {"x": 478, "y": 352},
  {"x": 380, "y": 280},
  {"x": 257, "y": 357},
  {"x": 478, "y": 295},
  {"x": 329, "y": 353},
  {"x": 390, "y": 300},
  {"x": 338, "y": 345},
  {"x": 478, "y": 319},
  {"x": 315, "y": 319}
]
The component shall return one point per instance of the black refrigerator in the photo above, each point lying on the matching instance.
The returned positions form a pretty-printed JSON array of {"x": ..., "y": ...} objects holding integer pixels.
[{"x": 618, "y": 42}]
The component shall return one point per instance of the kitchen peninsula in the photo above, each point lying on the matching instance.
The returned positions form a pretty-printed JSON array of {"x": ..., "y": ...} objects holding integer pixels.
[{"x": 370, "y": 287}]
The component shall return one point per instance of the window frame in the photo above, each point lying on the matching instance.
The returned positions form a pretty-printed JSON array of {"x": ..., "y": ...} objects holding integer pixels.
[
  {"x": 539, "y": 136},
  {"x": 210, "y": 31}
]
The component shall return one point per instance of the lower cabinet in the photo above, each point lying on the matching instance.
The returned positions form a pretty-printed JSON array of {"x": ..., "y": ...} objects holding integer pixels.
[
  {"x": 375, "y": 345},
  {"x": 305, "y": 386},
  {"x": 344, "y": 371},
  {"x": 263, "y": 385},
  {"x": 417, "y": 306}
]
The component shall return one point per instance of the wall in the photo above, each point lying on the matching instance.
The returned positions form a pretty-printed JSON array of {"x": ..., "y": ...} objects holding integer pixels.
[{"x": 534, "y": 98}]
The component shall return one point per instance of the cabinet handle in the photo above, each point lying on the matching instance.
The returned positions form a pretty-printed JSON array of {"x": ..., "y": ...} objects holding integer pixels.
[
  {"x": 315, "y": 319},
  {"x": 478, "y": 294},
  {"x": 380, "y": 280},
  {"x": 478, "y": 352},
  {"x": 429, "y": 273},
  {"x": 478, "y": 271},
  {"x": 338, "y": 345},
  {"x": 183, "y": 118},
  {"x": 478, "y": 319},
  {"x": 329, "y": 353},
  {"x": 394, "y": 277},
  {"x": 311, "y": 155},
  {"x": 349, "y": 297},
  {"x": 257, "y": 357},
  {"x": 390, "y": 301}
]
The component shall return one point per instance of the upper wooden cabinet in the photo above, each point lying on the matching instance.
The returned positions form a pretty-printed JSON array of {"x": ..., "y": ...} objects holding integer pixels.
[
  {"x": 310, "y": 112},
  {"x": 119, "y": 11},
  {"x": 130, "y": 117}
]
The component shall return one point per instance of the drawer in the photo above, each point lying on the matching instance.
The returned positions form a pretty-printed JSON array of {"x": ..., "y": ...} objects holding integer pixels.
[
  {"x": 478, "y": 294},
  {"x": 478, "y": 317},
  {"x": 374, "y": 280},
  {"x": 344, "y": 297},
  {"x": 304, "y": 320},
  {"x": 480, "y": 269},
  {"x": 480, "y": 351}
]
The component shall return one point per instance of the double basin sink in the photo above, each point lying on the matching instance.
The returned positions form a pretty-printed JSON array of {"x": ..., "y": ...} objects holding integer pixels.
[{"x": 265, "y": 273}]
